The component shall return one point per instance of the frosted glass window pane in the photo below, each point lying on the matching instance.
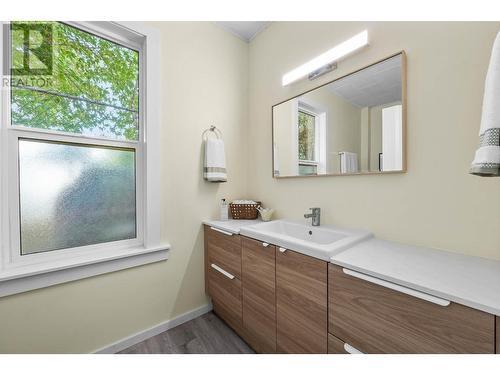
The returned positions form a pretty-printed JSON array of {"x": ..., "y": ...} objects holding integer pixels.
[{"x": 74, "y": 195}]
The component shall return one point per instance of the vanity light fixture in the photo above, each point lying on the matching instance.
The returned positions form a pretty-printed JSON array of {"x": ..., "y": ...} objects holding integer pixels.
[{"x": 326, "y": 61}]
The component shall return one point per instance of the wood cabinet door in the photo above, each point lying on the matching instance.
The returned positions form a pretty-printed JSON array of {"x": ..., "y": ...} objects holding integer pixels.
[
  {"x": 301, "y": 299},
  {"x": 498, "y": 335},
  {"x": 376, "y": 319},
  {"x": 226, "y": 298},
  {"x": 259, "y": 295},
  {"x": 335, "y": 345}
]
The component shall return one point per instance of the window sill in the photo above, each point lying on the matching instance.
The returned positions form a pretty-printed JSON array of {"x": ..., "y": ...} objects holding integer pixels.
[
  {"x": 308, "y": 162},
  {"x": 38, "y": 276}
]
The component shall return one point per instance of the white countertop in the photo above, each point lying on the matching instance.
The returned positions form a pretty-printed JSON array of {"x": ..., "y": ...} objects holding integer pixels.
[
  {"x": 232, "y": 226},
  {"x": 467, "y": 280}
]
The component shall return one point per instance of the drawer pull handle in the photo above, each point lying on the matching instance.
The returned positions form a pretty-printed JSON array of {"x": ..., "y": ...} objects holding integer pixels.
[
  {"x": 265, "y": 244},
  {"x": 282, "y": 249},
  {"x": 398, "y": 288},
  {"x": 351, "y": 350},
  {"x": 225, "y": 273},
  {"x": 221, "y": 231}
]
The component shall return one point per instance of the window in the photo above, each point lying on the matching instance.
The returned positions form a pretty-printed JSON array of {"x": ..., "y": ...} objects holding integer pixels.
[
  {"x": 307, "y": 136},
  {"x": 310, "y": 125},
  {"x": 74, "y": 166},
  {"x": 93, "y": 88},
  {"x": 76, "y": 194}
]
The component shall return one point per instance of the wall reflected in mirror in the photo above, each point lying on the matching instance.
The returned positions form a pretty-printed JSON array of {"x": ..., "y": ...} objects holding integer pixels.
[{"x": 352, "y": 125}]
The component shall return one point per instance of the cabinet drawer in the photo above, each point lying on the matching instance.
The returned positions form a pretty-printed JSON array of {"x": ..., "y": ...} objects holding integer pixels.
[
  {"x": 337, "y": 346},
  {"x": 224, "y": 250},
  {"x": 376, "y": 319},
  {"x": 226, "y": 296},
  {"x": 259, "y": 295},
  {"x": 301, "y": 298}
]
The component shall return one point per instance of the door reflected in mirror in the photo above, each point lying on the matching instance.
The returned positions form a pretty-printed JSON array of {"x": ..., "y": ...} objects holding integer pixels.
[{"x": 353, "y": 125}]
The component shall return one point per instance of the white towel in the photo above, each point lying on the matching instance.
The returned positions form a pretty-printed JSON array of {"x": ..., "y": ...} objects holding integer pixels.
[
  {"x": 214, "y": 169},
  {"x": 243, "y": 201},
  {"x": 348, "y": 162},
  {"x": 487, "y": 159}
]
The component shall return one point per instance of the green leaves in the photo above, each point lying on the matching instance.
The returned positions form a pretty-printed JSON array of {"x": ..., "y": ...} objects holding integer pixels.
[
  {"x": 306, "y": 136},
  {"x": 93, "y": 89}
]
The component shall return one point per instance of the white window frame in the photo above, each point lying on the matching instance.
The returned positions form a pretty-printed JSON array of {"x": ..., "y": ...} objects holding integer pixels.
[{"x": 21, "y": 273}]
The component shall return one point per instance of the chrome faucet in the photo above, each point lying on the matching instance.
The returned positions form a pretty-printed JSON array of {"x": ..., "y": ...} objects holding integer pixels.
[{"x": 315, "y": 215}]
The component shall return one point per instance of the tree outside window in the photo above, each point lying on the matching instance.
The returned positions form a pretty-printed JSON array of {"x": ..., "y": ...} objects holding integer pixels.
[{"x": 307, "y": 129}]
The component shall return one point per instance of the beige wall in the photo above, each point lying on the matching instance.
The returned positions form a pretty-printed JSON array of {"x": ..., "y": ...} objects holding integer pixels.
[
  {"x": 375, "y": 136},
  {"x": 204, "y": 80},
  {"x": 365, "y": 139},
  {"x": 437, "y": 203},
  {"x": 283, "y": 119}
]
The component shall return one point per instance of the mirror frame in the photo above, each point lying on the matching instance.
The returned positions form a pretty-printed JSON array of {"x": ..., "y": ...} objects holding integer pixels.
[{"x": 404, "y": 120}]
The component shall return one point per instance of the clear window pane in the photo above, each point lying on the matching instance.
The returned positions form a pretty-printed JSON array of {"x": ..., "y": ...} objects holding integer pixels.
[
  {"x": 75, "y": 195},
  {"x": 307, "y": 130},
  {"x": 91, "y": 87}
]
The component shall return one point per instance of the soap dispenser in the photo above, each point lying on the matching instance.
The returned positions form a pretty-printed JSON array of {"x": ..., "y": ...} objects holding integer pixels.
[{"x": 224, "y": 210}]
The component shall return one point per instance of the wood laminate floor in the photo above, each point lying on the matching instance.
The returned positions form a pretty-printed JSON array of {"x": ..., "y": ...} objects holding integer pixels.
[{"x": 206, "y": 334}]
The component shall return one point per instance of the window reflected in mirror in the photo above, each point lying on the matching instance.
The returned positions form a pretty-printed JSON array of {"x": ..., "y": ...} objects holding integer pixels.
[{"x": 353, "y": 125}]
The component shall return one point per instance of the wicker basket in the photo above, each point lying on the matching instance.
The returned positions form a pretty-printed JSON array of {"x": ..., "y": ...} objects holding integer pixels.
[{"x": 244, "y": 211}]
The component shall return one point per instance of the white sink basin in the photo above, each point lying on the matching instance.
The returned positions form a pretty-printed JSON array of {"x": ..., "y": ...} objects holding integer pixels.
[{"x": 320, "y": 242}]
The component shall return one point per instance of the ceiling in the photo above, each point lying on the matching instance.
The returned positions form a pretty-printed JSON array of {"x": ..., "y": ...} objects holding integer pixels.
[
  {"x": 246, "y": 30},
  {"x": 373, "y": 86}
]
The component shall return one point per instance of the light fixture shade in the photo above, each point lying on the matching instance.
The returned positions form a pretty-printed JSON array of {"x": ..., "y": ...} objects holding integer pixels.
[{"x": 334, "y": 54}]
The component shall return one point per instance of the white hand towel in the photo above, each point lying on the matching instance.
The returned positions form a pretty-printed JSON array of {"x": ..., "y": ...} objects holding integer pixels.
[
  {"x": 348, "y": 162},
  {"x": 214, "y": 169},
  {"x": 487, "y": 159}
]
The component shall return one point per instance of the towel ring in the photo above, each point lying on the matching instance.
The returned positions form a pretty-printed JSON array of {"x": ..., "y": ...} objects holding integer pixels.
[{"x": 214, "y": 130}]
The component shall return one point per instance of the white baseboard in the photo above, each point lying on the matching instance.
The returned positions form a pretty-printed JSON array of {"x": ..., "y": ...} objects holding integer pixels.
[{"x": 153, "y": 331}]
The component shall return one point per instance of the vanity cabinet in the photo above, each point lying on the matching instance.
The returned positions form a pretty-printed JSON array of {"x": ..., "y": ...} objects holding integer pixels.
[
  {"x": 377, "y": 319},
  {"x": 259, "y": 295},
  {"x": 301, "y": 303},
  {"x": 281, "y": 301},
  {"x": 223, "y": 275},
  {"x": 226, "y": 298}
]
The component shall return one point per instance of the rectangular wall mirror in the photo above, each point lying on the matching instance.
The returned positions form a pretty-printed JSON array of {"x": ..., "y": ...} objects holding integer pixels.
[{"x": 352, "y": 125}]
